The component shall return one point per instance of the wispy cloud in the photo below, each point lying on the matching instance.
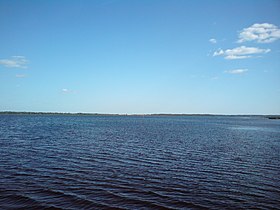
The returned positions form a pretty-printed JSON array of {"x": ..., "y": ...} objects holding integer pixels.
[
  {"x": 261, "y": 33},
  {"x": 15, "y": 62},
  {"x": 214, "y": 78},
  {"x": 213, "y": 41},
  {"x": 240, "y": 52},
  {"x": 20, "y": 75},
  {"x": 236, "y": 71},
  {"x": 67, "y": 91}
]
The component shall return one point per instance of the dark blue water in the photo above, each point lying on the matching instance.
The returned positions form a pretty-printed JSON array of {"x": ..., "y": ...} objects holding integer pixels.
[{"x": 88, "y": 162}]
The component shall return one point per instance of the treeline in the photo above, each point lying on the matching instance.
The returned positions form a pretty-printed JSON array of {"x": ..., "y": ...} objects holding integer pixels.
[
  {"x": 159, "y": 115},
  {"x": 47, "y": 113}
]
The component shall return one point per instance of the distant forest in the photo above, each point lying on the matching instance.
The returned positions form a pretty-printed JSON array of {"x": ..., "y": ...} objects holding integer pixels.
[{"x": 98, "y": 114}]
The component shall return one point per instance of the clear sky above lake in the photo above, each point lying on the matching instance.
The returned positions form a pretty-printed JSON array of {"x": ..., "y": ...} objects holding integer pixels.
[{"x": 140, "y": 56}]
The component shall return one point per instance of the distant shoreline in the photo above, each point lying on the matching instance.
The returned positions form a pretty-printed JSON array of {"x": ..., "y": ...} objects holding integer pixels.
[{"x": 163, "y": 115}]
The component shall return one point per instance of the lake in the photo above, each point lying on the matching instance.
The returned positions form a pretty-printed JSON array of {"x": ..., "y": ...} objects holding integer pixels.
[{"x": 139, "y": 162}]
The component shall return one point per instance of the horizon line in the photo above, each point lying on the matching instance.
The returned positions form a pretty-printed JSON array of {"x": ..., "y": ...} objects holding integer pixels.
[{"x": 127, "y": 114}]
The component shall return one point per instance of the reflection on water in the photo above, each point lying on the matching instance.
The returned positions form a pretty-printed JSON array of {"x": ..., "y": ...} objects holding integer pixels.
[
  {"x": 86, "y": 162},
  {"x": 252, "y": 128}
]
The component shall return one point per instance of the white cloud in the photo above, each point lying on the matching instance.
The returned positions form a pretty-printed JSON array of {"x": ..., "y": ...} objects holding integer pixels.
[
  {"x": 261, "y": 33},
  {"x": 240, "y": 52},
  {"x": 213, "y": 41},
  {"x": 214, "y": 78},
  {"x": 20, "y": 75},
  {"x": 236, "y": 71},
  {"x": 65, "y": 90},
  {"x": 14, "y": 62}
]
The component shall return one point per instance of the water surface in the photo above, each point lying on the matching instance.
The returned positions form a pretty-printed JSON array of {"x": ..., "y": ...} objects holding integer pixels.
[{"x": 130, "y": 162}]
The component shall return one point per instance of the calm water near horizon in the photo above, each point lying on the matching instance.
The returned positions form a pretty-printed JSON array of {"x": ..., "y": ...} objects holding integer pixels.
[{"x": 133, "y": 162}]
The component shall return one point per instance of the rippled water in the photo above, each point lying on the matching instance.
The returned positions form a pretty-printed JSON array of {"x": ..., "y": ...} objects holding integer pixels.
[{"x": 88, "y": 162}]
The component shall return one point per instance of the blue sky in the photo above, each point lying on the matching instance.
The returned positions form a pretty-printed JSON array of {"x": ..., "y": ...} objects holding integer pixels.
[{"x": 148, "y": 56}]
